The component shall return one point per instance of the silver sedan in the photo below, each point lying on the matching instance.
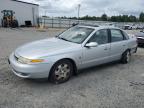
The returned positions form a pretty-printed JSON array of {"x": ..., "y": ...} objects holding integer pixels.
[{"x": 79, "y": 47}]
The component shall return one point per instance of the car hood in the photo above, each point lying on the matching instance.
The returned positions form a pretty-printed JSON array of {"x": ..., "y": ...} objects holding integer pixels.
[
  {"x": 140, "y": 34},
  {"x": 46, "y": 47}
]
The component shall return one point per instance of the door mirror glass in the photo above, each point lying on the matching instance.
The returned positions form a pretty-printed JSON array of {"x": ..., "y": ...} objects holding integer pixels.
[{"x": 91, "y": 44}]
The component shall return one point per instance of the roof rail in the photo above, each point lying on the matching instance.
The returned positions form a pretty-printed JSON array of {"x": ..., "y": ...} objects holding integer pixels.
[
  {"x": 89, "y": 25},
  {"x": 75, "y": 24}
]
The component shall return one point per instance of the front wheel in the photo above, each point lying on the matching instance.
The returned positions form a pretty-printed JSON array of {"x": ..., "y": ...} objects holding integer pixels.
[
  {"x": 61, "y": 71},
  {"x": 126, "y": 57}
]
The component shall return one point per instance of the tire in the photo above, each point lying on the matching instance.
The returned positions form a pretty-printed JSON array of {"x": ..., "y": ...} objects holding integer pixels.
[
  {"x": 61, "y": 72},
  {"x": 14, "y": 23},
  {"x": 126, "y": 57},
  {"x": 136, "y": 49}
]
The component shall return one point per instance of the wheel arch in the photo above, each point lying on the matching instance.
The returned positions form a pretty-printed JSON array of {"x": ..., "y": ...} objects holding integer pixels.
[
  {"x": 71, "y": 60},
  {"x": 74, "y": 65},
  {"x": 127, "y": 50}
]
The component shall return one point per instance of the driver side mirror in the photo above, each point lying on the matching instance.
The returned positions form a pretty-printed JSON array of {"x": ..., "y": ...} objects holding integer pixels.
[{"x": 92, "y": 44}]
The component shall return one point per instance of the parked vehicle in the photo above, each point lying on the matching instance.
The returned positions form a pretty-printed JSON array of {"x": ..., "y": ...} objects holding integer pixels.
[
  {"x": 127, "y": 27},
  {"x": 8, "y": 19},
  {"x": 130, "y": 27},
  {"x": 134, "y": 27},
  {"x": 140, "y": 27},
  {"x": 140, "y": 38},
  {"x": 79, "y": 47}
]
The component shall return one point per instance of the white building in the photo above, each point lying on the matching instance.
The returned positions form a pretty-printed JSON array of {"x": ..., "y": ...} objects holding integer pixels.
[{"x": 23, "y": 11}]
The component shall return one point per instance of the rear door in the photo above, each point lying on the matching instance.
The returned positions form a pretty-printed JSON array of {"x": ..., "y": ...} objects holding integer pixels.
[
  {"x": 118, "y": 44},
  {"x": 99, "y": 54}
]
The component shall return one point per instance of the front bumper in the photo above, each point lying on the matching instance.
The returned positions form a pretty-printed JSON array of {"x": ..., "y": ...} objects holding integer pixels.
[{"x": 29, "y": 70}]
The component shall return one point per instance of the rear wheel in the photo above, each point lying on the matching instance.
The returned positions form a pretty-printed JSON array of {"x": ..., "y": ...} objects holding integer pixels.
[
  {"x": 61, "y": 71},
  {"x": 126, "y": 57}
]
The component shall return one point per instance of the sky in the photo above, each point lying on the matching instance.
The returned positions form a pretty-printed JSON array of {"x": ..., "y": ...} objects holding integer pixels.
[{"x": 55, "y": 8}]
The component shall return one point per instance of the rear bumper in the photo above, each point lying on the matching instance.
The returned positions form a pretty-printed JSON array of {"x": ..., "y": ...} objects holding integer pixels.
[{"x": 29, "y": 70}]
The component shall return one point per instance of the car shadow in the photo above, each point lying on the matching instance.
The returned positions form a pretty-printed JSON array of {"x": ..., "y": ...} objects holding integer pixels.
[
  {"x": 141, "y": 46},
  {"x": 81, "y": 73},
  {"x": 97, "y": 68}
]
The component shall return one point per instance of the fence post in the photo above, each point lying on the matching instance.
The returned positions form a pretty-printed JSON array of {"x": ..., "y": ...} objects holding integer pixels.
[
  {"x": 59, "y": 23},
  {"x": 69, "y": 23},
  {"x": 44, "y": 21},
  {"x": 38, "y": 22},
  {"x": 52, "y": 22}
]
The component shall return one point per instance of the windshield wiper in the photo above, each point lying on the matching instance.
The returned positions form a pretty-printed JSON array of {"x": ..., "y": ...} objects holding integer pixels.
[{"x": 64, "y": 39}]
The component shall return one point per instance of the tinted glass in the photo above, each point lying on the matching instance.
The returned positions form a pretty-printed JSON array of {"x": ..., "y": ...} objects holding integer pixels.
[
  {"x": 101, "y": 37},
  {"x": 116, "y": 36}
]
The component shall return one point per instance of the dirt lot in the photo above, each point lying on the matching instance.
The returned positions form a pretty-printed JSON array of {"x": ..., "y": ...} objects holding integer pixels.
[{"x": 109, "y": 86}]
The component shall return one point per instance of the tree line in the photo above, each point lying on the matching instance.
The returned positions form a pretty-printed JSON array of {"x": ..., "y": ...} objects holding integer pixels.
[{"x": 105, "y": 17}]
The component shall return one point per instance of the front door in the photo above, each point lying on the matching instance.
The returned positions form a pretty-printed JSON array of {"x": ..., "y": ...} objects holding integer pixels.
[{"x": 99, "y": 54}]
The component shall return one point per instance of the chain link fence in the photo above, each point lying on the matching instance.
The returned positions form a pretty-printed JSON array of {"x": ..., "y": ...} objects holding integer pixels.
[{"x": 67, "y": 23}]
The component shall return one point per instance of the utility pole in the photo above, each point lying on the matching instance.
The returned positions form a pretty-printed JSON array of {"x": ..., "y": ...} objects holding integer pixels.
[
  {"x": 44, "y": 18},
  {"x": 78, "y": 12}
]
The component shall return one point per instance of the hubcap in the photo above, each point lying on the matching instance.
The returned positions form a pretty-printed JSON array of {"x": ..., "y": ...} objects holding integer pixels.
[{"x": 62, "y": 71}]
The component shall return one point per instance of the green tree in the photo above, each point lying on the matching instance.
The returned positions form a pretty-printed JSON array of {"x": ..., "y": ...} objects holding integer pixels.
[
  {"x": 113, "y": 18},
  {"x": 141, "y": 17},
  {"x": 125, "y": 18},
  {"x": 104, "y": 17},
  {"x": 132, "y": 18}
]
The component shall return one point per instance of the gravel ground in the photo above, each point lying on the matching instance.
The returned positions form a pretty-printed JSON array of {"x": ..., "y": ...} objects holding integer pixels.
[{"x": 108, "y": 86}]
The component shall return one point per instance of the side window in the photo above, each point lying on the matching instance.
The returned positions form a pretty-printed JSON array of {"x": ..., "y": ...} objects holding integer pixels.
[
  {"x": 101, "y": 37},
  {"x": 116, "y": 36}
]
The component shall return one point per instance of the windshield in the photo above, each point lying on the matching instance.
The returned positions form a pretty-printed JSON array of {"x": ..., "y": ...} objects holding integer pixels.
[{"x": 76, "y": 34}]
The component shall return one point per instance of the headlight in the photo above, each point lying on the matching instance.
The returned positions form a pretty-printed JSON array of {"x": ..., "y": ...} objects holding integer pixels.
[{"x": 29, "y": 61}]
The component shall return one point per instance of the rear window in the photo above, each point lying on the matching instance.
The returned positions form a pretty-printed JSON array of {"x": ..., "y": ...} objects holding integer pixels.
[{"x": 125, "y": 35}]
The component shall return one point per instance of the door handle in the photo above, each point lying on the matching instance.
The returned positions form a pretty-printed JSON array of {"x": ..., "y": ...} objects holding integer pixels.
[{"x": 124, "y": 45}]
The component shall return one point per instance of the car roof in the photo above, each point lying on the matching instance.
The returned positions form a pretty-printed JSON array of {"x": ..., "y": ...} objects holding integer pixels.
[{"x": 96, "y": 27}]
